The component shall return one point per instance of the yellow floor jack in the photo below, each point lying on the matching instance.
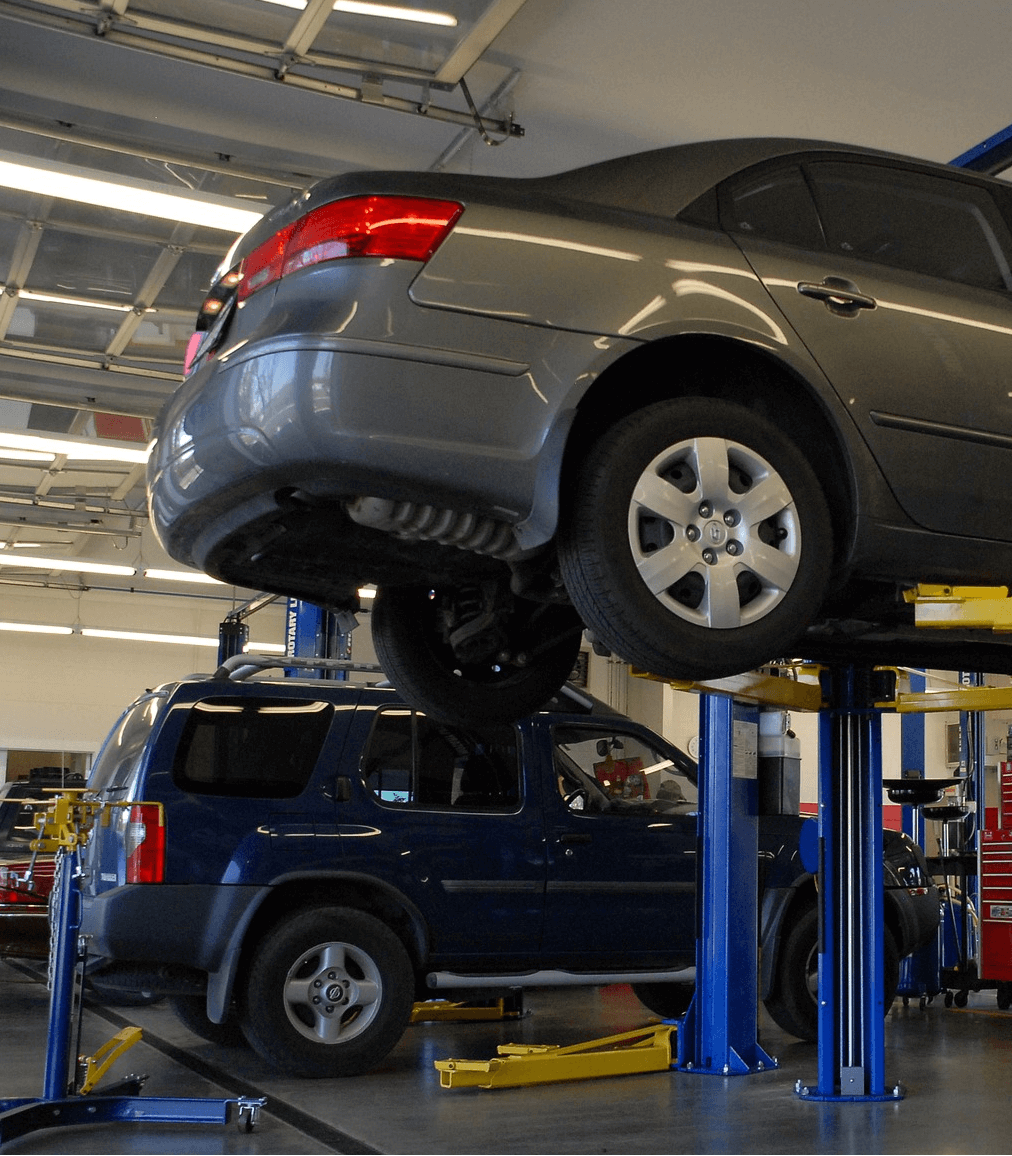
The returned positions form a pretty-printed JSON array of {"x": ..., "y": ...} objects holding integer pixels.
[{"x": 69, "y": 1082}]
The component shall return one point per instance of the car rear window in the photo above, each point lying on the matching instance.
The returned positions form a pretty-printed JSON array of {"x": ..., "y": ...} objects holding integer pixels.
[
  {"x": 252, "y": 747},
  {"x": 413, "y": 761},
  {"x": 913, "y": 221},
  {"x": 775, "y": 206}
]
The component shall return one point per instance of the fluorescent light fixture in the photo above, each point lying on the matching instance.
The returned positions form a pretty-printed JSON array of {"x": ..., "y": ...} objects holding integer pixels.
[
  {"x": 367, "y": 592},
  {"x": 84, "y": 302},
  {"x": 147, "y": 198},
  {"x": 143, "y": 636},
  {"x": 387, "y": 11},
  {"x": 264, "y": 647},
  {"x": 26, "y": 456},
  {"x": 82, "y": 449},
  {"x": 181, "y": 576},
  {"x": 35, "y": 628},
  {"x": 69, "y": 564},
  {"x": 395, "y": 12}
]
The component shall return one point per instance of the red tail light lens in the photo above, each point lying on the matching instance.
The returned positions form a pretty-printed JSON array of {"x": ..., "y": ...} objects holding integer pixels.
[
  {"x": 402, "y": 228},
  {"x": 145, "y": 843}
]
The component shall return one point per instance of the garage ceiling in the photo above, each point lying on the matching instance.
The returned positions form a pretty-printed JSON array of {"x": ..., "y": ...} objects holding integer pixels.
[{"x": 247, "y": 101}]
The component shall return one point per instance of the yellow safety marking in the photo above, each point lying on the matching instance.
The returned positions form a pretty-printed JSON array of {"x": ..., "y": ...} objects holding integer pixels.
[
  {"x": 443, "y": 1010},
  {"x": 645, "y": 1050},
  {"x": 797, "y": 688},
  {"x": 97, "y": 1065}
]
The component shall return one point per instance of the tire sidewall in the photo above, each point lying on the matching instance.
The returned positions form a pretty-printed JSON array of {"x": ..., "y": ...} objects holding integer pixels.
[
  {"x": 265, "y": 1021},
  {"x": 596, "y": 533}
]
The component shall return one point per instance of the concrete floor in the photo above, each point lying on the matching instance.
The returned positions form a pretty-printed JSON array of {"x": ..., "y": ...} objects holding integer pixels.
[{"x": 956, "y": 1065}]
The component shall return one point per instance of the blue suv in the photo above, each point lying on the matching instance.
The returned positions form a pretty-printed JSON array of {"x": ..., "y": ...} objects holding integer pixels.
[{"x": 299, "y": 860}]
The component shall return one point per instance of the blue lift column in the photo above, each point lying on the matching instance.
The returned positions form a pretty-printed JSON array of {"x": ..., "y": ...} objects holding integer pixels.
[
  {"x": 719, "y": 1033},
  {"x": 312, "y": 632},
  {"x": 851, "y": 953}
]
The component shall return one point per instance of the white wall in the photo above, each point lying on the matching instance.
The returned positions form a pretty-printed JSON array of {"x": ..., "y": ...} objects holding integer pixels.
[{"x": 60, "y": 692}]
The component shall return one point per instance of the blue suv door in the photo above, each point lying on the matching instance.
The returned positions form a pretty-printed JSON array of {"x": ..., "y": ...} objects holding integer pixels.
[
  {"x": 621, "y": 824},
  {"x": 454, "y": 828}
]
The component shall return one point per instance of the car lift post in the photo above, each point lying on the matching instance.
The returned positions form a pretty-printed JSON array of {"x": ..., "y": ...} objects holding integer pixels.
[
  {"x": 313, "y": 632},
  {"x": 718, "y": 1034},
  {"x": 851, "y": 952}
]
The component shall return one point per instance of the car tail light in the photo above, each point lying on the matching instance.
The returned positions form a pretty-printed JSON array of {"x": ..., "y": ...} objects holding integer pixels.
[
  {"x": 403, "y": 228},
  {"x": 145, "y": 843}
]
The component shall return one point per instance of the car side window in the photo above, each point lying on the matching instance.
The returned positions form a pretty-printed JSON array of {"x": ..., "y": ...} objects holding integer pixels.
[
  {"x": 410, "y": 760},
  {"x": 603, "y": 771},
  {"x": 773, "y": 206},
  {"x": 250, "y": 747},
  {"x": 913, "y": 221}
]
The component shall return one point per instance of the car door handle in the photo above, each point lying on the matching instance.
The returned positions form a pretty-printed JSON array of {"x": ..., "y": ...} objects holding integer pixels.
[
  {"x": 841, "y": 296},
  {"x": 573, "y": 837}
]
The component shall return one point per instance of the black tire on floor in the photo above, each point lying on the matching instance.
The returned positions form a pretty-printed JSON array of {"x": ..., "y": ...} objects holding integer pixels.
[
  {"x": 410, "y": 647},
  {"x": 328, "y": 993},
  {"x": 191, "y": 1011},
  {"x": 793, "y": 1001},
  {"x": 697, "y": 542},
  {"x": 670, "y": 1001}
]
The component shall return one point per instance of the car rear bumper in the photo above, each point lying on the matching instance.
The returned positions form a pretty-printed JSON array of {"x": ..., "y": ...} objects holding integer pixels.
[{"x": 188, "y": 924}]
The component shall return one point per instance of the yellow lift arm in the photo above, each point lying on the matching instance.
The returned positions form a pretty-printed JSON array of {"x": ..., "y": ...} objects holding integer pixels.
[{"x": 645, "y": 1050}]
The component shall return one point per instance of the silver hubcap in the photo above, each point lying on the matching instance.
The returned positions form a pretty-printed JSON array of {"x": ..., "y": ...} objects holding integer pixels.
[
  {"x": 332, "y": 993},
  {"x": 714, "y": 533}
]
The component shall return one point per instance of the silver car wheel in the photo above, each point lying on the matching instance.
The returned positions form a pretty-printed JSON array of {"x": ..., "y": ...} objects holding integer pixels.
[
  {"x": 714, "y": 533},
  {"x": 332, "y": 993}
]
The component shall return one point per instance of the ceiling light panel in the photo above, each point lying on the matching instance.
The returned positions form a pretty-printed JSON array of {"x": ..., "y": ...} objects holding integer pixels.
[
  {"x": 143, "y": 198},
  {"x": 68, "y": 565}
]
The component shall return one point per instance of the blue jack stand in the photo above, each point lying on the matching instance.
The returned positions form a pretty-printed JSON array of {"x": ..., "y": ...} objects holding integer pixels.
[
  {"x": 718, "y": 1034},
  {"x": 60, "y": 1103},
  {"x": 851, "y": 945}
]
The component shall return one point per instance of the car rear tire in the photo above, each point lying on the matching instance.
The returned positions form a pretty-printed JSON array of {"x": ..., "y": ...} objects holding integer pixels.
[
  {"x": 328, "y": 993},
  {"x": 697, "y": 543},
  {"x": 793, "y": 1002},
  {"x": 670, "y": 1001},
  {"x": 537, "y": 649},
  {"x": 191, "y": 1011}
]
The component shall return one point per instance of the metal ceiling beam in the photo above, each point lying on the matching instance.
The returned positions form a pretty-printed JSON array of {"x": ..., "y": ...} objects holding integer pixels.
[
  {"x": 81, "y": 21},
  {"x": 79, "y": 383},
  {"x": 219, "y": 163},
  {"x": 470, "y": 48},
  {"x": 308, "y": 26}
]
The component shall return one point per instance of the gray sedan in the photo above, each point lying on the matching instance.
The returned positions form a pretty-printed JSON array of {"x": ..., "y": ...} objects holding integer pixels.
[{"x": 715, "y": 403}]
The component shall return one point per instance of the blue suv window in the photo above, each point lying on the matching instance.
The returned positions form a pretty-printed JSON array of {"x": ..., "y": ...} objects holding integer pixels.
[
  {"x": 413, "y": 761},
  {"x": 251, "y": 747},
  {"x": 604, "y": 771}
]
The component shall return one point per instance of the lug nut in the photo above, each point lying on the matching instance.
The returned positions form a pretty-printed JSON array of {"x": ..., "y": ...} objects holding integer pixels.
[
  {"x": 734, "y": 548},
  {"x": 709, "y": 557},
  {"x": 692, "y": 533},
  {"x": 705, "y": 509},
  {"x": 732, "y": 518},
  {"x": 329, "y": 1008}
]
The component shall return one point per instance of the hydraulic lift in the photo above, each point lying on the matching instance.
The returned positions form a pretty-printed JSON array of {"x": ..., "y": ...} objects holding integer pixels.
[{"x": 69, "y": 1080}]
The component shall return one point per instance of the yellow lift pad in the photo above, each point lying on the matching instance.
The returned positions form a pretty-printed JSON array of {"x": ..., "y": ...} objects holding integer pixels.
[
  {"x": 644, "y": 1050},
  {"x": 443, "y": 1010}
]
